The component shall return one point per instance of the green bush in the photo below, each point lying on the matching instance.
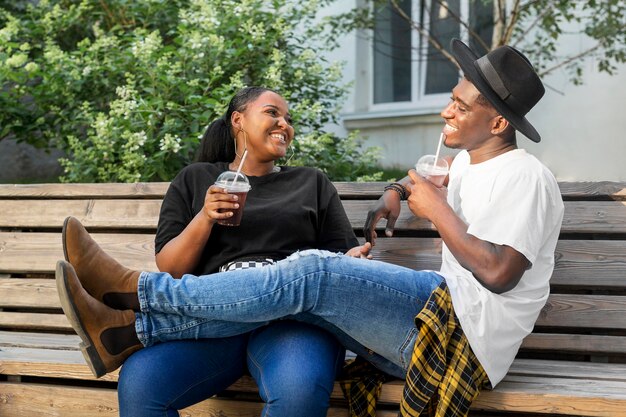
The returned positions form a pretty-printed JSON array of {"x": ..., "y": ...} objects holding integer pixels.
[{"x": 127, "y": 87}]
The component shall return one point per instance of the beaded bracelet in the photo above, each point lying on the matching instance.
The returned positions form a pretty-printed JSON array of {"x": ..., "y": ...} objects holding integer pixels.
[{"x": 399, "y": 188}]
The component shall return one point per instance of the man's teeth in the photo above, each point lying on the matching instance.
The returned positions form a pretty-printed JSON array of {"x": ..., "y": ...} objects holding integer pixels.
[{"x": 451, "y": 128}]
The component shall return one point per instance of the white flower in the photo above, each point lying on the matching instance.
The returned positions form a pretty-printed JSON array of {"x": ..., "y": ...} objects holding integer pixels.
[
  {"x": 31, "y": 67},
  {"x": 170, "y": 143},
  {"x": 17, "y": 60}
]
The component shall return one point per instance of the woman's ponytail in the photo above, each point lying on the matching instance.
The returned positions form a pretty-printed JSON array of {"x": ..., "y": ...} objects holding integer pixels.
[{"x": 218, "y": 143}]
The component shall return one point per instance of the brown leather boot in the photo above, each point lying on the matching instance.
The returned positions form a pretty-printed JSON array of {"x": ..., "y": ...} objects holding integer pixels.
[
  {"x": 108, "y": 335},
  {"x": 102, "y": 276}
]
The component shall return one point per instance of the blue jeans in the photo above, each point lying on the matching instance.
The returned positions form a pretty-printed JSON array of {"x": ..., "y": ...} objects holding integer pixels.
[
  {"x": 369, "y": 305},
  {"x": 294, "y": 365}
]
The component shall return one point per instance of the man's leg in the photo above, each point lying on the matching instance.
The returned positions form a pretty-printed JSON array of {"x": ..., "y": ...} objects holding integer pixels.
[{"x": 372, "y": 302}]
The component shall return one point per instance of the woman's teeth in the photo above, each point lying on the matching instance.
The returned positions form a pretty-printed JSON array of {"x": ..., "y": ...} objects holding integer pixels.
[{"x": 281, "y": 138}]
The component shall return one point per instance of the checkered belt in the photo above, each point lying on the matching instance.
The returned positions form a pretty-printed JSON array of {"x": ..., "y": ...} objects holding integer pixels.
[{"x": 245, "y": 263}]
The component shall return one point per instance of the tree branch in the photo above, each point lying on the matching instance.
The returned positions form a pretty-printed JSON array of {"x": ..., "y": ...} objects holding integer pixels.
[
  {"x": 570, "y": 59},
  {"x": 434, "y": 42},
  {"x": 540, "y": 16},
  {"x": 508, "y": 32},
  {"x": 467, "y": 27}
]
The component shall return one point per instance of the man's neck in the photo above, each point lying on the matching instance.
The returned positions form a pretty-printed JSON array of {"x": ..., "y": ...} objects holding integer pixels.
[{"x": 486, "y": 153}]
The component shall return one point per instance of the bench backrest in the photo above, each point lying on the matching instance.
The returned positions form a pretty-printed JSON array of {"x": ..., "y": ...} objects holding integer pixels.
[{"x": 585, "y": 318}]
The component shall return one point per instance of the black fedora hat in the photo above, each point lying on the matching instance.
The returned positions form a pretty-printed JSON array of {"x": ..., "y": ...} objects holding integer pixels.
[{"x": 506, "y": 79}]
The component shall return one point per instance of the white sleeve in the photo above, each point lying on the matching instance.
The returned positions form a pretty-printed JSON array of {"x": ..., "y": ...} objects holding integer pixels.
[{"x": 516, "y": 214}]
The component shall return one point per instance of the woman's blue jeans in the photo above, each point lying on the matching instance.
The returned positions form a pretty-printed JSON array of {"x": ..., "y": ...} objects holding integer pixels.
[
  {"x": 369, "y": 305},
  {"x": 293, "y": 363}
]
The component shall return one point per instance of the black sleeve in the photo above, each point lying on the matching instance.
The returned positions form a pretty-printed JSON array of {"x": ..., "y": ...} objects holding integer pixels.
[
  {"x": 176, "y": 212},
  {"x": 335, "y": 231}
]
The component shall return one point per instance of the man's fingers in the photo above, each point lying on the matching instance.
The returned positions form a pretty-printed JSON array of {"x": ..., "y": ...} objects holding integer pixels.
[{"x": 391, "y": 224}]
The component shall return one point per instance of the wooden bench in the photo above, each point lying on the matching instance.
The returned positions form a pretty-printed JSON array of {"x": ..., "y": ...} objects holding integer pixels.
[{"x": 573, "y": 364}]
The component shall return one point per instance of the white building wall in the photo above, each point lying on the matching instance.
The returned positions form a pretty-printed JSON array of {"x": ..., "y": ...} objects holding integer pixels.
[{"x": 582, "y": 127}]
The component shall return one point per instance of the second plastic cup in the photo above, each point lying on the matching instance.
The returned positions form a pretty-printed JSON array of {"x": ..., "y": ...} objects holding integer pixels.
[
  {"x": 435, "y": 173},
  {"x": 239, "y": 187}
]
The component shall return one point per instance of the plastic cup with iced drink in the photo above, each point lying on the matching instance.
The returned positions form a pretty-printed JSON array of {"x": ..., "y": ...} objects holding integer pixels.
[
  {"x": 234, "y": 183},
  {"x": 434, "y": 172}
]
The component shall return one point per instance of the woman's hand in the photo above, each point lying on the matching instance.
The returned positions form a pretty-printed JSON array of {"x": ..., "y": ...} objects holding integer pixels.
[
  {"x": 362, "y": 251},
  {"x": 218, "y": 203}
]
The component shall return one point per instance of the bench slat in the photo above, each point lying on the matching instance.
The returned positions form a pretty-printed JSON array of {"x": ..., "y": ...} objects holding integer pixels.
[
  {"x": 124, "y": 214},
  {"x": 39, "y": 340},
  {"x": 577, "y": 261},
  {"x": 576, "y": 343},
  {"x": 27, "y": 400},
  {"x": 561, "y": 310},
  {"x": 569, "y": 190},
  {"x": 34, "y": 321},
  {"x": 562, "y": 395},
  {"x": 39, "y": 252}
]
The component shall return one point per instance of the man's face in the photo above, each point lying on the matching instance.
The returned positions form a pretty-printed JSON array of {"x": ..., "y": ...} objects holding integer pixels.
[{"x": 468, "y": 123}]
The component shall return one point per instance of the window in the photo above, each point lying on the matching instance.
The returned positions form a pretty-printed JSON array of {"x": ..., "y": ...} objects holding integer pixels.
[{"x": 408, "y": 69}]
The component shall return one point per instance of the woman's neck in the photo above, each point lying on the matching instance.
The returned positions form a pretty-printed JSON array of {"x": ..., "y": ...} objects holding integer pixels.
[{"x": 253, "y": 169}]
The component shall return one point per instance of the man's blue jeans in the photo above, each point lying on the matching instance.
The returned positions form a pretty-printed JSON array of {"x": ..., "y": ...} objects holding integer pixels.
[
  {"x": 293, "y": 363},
  {"x": 369, "y": 305}
]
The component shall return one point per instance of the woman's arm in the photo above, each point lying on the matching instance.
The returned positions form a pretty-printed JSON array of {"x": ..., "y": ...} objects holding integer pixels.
[{"x": 181, "y": 254}]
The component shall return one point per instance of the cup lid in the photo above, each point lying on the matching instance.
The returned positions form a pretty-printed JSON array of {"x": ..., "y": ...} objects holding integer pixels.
[{"x": 233, "y": 181}]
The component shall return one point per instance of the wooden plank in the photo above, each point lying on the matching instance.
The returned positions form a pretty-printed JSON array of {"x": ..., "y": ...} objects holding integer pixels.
[
  {"x": 580, "y": 217},
  {"x": 555, "y": 396},
  {"x": 590, "y": 263},
  {"x": 39, "y": 252},
  {"x": 561, "y": 310},
  {"x": 48, "y": 363},
  {"x": 117, "y": 214},
  {"x": 586, "y": 371},
  {"x": 39, "y": 340},
  {"x": 26, "y": 400},
  {"x": 86, "y": 190},
  {"x": 579, "y": 263},
  {"x": 34, "y": 321},
  {"x": 576, "y": 343},
  {"x": 371, "y": 190},
  {"x": 584, "y": 311},
  {"x": 590, "y": 190},
  {"x": 35, "y": 293}
]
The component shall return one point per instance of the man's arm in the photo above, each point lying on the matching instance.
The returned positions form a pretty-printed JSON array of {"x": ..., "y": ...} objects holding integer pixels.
[{"x": 497, "y": 267}]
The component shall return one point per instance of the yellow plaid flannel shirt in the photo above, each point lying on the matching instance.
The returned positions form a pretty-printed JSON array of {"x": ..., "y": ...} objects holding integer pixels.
[{"x": 444, "y": 376}]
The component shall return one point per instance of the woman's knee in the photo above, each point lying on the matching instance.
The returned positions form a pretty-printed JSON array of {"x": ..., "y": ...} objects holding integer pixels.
[{"x": 294, "y": 365}]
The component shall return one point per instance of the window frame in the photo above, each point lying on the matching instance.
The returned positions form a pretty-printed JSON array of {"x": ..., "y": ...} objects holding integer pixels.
[{"x": 420, "y": 102}]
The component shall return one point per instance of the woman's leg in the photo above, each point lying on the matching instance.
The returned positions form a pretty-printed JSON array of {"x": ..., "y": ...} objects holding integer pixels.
[
  {"x": 372, "y": 302},
  {"x": 159, "y": 380},
  {"x": 294, "y": 365}
]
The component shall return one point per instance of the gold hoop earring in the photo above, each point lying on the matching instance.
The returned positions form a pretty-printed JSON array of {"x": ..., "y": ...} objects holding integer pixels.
[
  {"x": 293, "y": 152},
  {"x": 245, "y": 141}
]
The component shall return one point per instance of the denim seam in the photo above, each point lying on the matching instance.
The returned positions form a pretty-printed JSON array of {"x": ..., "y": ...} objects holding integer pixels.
[{"x": 263, "y": 385}]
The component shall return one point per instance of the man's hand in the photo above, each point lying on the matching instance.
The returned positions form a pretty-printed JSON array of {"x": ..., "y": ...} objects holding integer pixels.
[
  {"x": 388, "y": 207},
  {"x": 425, "y": 198},
  {"x": 362, "y": 251}
]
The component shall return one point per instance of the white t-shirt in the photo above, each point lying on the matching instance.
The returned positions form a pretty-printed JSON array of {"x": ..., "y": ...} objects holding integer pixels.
[{"x": 511, "y": 200}]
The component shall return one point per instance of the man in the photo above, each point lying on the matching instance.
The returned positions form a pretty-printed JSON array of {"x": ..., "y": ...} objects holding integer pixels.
[{"x": 499, "y": 221}]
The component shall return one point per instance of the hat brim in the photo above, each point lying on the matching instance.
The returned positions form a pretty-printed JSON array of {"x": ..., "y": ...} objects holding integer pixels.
[{"x": 466, "y": 59}]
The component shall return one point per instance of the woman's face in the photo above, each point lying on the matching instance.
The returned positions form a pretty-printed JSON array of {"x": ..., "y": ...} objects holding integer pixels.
[{"x": 267, "y": 123}]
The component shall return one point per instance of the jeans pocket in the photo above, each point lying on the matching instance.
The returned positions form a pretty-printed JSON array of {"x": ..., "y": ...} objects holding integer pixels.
[{"x": 406, "y": 349}]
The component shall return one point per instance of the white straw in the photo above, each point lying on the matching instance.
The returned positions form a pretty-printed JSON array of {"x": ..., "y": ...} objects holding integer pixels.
[
  {"x": 243, "y": 158},
  {"x": 438, "y": 149}
]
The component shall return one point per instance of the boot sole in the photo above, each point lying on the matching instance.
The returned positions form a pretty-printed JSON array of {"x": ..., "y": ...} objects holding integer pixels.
[
  {"x": 63, "y": 238},
  {"x": 91, "y": 355}
]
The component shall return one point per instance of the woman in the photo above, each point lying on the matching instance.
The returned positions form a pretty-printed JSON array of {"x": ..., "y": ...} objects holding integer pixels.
[{"x": 287, "y": 209}]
